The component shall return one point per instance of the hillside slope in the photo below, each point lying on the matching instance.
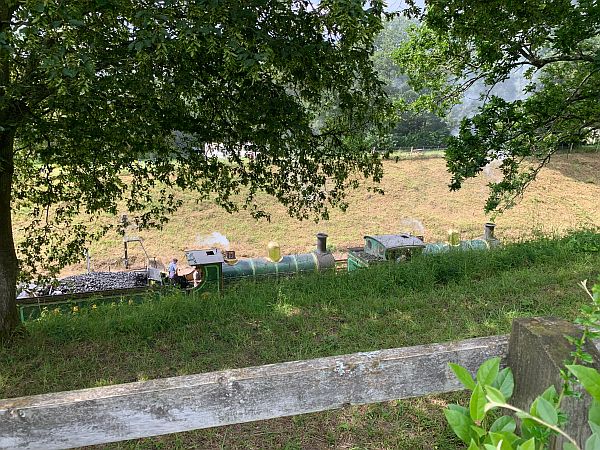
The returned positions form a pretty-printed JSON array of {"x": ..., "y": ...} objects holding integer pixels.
[{"x": 564, "y": 197}]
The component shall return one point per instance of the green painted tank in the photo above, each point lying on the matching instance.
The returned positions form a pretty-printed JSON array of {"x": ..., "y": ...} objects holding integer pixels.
[
  {"x": 436, "y": 247},
  {"x": 442, "y": 247},
  {"x": 288, "y": 265}
]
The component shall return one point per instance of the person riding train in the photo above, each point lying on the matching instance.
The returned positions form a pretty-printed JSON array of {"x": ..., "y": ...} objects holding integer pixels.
[{"x": 173, "y": 271}]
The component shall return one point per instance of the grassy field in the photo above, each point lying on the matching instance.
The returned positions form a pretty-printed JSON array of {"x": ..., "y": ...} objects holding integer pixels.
[
  {"x": 564, "y": 197},
  {"x": 434, "y": 299}
]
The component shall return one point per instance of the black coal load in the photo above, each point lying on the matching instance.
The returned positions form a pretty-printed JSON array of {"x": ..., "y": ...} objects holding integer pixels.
[
  {"x": 87, "y": 282},
  {"x": 100, "y": 281}
]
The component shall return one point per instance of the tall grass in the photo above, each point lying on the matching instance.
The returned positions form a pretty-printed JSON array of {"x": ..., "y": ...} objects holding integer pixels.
[{"x": 429, "y": 299}]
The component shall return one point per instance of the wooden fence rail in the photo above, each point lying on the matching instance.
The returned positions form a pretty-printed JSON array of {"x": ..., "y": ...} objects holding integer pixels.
[{"x": 170, "y": 405}]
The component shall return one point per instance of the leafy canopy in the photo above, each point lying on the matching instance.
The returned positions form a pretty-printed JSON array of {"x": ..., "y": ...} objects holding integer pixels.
[
  {"x": 114, "y": 102},
  {"x": 412, "y": 128},
  {"x": 554, "y": 43}
]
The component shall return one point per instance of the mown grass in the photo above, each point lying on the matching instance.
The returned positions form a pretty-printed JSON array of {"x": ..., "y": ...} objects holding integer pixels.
[{"x": 430, "y": 299}]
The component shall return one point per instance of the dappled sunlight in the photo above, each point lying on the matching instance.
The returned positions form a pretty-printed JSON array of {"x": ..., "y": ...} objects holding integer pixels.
[
  {"x": 103, "y": 382},
  {"x": 287, "y": 310},
  {"x": 437, "y": 402}
]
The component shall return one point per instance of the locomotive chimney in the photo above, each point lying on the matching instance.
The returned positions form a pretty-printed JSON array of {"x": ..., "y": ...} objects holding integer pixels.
[
  {"x": 321, "y": 243},
  {"x": 488, "y": 231}
]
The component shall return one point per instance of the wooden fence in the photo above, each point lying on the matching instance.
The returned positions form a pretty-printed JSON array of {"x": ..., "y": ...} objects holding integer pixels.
[
  {"x": 150, "y": 408},
  {"x": 170, "y": 405}
]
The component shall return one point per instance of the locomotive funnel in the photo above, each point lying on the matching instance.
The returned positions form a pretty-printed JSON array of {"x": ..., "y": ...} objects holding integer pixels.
[{"x": 321, "y": 243}]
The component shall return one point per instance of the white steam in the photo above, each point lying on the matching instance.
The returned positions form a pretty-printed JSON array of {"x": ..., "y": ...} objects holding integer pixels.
[
  {"x": 492, "y": 170},
  {"x": 215, "y": 239},
  {"x": 412, "y": 226}
]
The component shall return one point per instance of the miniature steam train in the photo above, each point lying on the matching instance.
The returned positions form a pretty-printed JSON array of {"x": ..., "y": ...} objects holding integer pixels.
[
  {"x": 210, "y": 269},
  {"x": 401, "y": 247},
  {"x": 216, "y": 269}
]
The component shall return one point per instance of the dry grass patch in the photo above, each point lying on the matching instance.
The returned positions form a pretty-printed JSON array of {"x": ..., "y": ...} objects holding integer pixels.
[{"x": 564, "y": 197}]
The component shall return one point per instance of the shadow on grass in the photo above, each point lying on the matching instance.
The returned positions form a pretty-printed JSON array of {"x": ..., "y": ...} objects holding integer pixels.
[{"x": 430, "y": 299}]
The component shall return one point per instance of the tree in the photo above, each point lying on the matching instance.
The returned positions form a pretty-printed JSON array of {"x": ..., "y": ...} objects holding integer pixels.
[
  {"x": 555, "y": 43},
  {"x": 93, "y": 94},
  {"x": 420, "y": 128}
]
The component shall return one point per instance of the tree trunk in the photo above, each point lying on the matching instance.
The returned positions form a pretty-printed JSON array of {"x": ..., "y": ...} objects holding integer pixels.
[{"x": 9, "y": 318}]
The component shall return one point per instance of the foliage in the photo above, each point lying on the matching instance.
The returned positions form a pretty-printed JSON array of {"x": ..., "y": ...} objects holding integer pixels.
[
  {"x": 98, "y": 88},
  {"x": 493, "y": 388},
  {"x": 411, "y": 129},
  {"x": 554, "y": 43},
  {"x": 423, "y": 130},
  {"x": 103, "y": 102}
]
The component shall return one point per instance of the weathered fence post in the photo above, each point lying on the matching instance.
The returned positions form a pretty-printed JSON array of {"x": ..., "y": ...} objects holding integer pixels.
[{"x": 537, "y": 352}]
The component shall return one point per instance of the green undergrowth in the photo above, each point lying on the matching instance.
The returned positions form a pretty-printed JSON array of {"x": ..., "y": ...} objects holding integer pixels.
[{"x": 429, "y": 299}]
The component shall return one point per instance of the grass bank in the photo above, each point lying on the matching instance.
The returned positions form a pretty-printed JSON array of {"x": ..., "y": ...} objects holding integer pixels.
[{"x": 434, "y": 299}]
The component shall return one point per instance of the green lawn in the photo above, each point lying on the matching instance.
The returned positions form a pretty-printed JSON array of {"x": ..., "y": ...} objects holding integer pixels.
[{"x": 430, "y": 299}]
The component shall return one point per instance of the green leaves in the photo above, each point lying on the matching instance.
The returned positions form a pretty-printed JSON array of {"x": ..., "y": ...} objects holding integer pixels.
[
  {"x": 493, "y": 387},
  {"x": 477, "y": 404},
  {"x": 527, "y": 445},
  {"x": 469, "y": 424},
  {"x": 463, "y": 376},
  {"x": 504, "y": 382},
  {"x": 594, "y": 416},
  {"x": 473, "y": 445},
  {"x": 546, "y": 411},
  {"x": 460, "y": 424},
  {"x": 593, "y": 442},
  {"x": 463, "y": 52},
  {"x": 589, "y": 378},
  {"x": 504, "y": 423},
  {"x": 495, "y": 396},
  {"x": 488, "y": 371},
  {"x": 177, "y": 100}
]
